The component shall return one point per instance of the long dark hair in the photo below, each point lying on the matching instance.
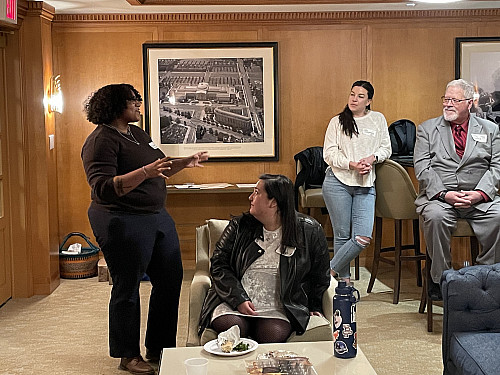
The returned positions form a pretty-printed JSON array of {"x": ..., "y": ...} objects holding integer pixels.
[
  {"x": 280, "y": 188},
  {"x": 346, "y": 119},
  {"x": 108, "y": 103}
]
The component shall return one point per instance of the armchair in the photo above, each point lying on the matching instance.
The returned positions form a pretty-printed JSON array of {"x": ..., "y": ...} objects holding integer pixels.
[
  {"x": 318, "y": 329},
  {"x": 471, "y": 320}
]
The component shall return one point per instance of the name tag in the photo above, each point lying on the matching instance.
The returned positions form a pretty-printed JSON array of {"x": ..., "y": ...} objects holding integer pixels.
[
  {"x": 479, "y": 137},
  {"x": 369, "y": 132},
  {"x": 289, "y": 251},
  {"x": 152, "y": 145}
]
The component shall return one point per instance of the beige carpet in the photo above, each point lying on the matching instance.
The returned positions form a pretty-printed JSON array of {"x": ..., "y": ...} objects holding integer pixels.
[{"x": 66, "y": 332}]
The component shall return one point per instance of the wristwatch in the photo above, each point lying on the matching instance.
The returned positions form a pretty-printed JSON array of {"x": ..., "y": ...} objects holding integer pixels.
[{"x": 442, "y": 195}]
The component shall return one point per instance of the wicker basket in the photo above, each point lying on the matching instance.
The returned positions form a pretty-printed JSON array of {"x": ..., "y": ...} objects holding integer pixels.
[{"x": 78, "y": 266}]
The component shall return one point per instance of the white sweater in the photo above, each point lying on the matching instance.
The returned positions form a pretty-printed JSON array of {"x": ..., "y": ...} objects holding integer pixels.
[{"x": 339, "y": 149}]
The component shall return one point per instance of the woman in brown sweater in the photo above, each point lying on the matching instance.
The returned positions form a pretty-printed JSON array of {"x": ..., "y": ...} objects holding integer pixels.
[{"x": 126, "y": 172}]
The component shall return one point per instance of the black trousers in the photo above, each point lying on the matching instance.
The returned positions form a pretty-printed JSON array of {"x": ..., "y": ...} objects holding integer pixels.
[{"x": 133, "y": 245}]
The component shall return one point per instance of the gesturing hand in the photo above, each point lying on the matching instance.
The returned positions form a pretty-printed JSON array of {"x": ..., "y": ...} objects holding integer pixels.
[
  {"x": 195, "y": 159},
  {"x": 247, "y": 308},
  {"x": 157, "y": 168}
]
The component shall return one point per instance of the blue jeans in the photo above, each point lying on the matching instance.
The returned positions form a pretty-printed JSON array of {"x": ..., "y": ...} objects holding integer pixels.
[{"x": 352, "y": 211}]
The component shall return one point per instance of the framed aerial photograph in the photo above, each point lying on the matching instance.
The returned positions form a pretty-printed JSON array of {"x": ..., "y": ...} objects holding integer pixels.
[
  {"x": 477, "y": 60},
  {"x": 217, "y": 97}
]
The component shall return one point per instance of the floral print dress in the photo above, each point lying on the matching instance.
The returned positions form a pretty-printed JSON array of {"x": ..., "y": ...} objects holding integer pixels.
[{"x": 261, "y": 281}]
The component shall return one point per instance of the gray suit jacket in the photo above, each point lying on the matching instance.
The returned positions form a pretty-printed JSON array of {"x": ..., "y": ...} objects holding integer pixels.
[{"x": 438, "y": 167}]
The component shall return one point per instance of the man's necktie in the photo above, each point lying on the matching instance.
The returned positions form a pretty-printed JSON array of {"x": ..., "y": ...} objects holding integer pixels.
[{"x": 460, "y": 136}]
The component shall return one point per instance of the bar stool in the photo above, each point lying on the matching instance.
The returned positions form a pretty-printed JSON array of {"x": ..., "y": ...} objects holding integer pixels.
[
  {"x": 395, "y": 200},
  {"x": 463, "y": 229},
  {"x": 313, "y": 198}
]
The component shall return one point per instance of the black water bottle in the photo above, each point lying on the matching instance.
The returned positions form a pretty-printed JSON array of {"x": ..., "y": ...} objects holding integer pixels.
[{"x": 344, "y": 317}]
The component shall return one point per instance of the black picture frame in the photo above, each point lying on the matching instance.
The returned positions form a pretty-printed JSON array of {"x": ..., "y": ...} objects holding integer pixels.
[
  {"x": 477, "y": 61},
  {"x": 218, "y": 97}
]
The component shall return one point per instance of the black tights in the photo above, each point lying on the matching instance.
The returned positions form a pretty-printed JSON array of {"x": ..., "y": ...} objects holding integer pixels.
[{"x": 262, "y": 330}]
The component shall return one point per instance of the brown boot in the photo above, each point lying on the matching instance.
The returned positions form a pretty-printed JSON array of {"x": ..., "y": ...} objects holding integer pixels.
[{"x": 136, "y": 366}]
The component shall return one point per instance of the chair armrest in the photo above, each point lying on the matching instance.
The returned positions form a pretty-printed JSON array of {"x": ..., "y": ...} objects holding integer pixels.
[
  {"x": 197, "y": 292},
  {"x": 471, "y": 302},
  {"x": 328, "y": 300},
  {"x": 302, "y": 195}
]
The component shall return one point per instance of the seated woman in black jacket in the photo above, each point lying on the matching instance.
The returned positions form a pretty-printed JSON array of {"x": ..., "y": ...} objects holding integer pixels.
[{"x": 269, "y": 269}]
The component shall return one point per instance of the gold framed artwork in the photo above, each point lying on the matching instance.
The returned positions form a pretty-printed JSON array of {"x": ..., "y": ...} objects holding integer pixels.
[{"x": 477, "y": 60}]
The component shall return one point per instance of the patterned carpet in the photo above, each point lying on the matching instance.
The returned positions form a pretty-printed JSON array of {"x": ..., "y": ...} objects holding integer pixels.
[{"x": 65, "y": 333}]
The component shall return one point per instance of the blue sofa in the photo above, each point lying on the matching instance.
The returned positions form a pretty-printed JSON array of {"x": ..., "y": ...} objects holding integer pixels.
[{"x": 471, "y": 321}]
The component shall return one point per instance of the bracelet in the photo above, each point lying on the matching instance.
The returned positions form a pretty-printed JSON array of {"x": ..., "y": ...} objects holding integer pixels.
[{"x": 144, "y": 170}]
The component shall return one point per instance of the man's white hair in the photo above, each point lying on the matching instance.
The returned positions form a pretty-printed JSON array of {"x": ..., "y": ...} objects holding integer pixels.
[{"x": 467, "y": 87}]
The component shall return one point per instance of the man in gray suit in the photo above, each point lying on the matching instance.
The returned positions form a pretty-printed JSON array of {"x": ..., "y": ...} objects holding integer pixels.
[{"x": 457, "y": 164}]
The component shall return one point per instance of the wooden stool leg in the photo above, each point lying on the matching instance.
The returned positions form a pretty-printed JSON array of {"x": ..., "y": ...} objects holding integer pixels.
[
  {"x": 423, "y": 299},
  {"x": 429, "y": 314},
  {"x": 429, "y": 300},
  {"x": 397, "y": 260},
  {"x": 474, "y": 249},
  {"x": 376, "y": 253},
  {"x": 356, "y": 268},
  {"x": 416, "y": 243}
]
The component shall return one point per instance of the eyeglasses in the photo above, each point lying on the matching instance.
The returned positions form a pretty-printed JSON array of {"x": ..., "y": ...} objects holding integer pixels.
[
  {"x": 135, "y": 101},
  {"x": 453, "y": 101}
]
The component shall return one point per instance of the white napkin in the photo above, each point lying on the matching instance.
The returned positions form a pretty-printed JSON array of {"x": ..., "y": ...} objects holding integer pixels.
[
  {"x": 73, "y": 249},
  {"x": 227, "y": 340}
]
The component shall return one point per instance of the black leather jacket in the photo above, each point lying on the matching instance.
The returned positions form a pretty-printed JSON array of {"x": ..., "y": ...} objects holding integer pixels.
[{"x": 304, "y": 276}]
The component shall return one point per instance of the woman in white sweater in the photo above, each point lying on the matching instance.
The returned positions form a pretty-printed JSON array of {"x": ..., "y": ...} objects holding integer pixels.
[{"x": 355, "y": 140}]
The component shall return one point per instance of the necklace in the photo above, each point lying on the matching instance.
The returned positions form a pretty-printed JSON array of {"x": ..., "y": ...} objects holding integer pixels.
[{"x": 129, "y": 134}]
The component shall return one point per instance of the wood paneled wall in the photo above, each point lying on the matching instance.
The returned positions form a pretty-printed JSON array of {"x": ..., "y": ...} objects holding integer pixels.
[
  {"x": 32, "y": 166},
  {"x": 409, "y": 58}
]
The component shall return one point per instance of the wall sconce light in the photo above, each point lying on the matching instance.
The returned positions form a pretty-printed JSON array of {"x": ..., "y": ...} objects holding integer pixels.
[{"x": 54, "y": 99}]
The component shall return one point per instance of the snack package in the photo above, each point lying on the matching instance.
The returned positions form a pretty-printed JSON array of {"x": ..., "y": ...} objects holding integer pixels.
[{"x": 280, "y": 362}]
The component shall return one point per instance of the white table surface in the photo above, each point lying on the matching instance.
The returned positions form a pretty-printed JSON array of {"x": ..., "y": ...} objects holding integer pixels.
[{"x": 319, "y": 353}]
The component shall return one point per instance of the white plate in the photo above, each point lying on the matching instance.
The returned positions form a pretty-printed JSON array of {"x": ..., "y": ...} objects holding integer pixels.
[{"x": 213, "y": 348}]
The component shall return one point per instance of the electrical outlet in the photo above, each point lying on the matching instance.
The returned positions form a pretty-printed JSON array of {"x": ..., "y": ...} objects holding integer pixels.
[{"x": 51, "y": 141}]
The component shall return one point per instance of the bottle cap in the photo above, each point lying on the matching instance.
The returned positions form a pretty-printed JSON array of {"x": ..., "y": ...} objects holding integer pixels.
[{"x": 343, "y": 288}]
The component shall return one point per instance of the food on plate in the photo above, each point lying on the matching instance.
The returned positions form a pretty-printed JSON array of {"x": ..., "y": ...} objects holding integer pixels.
[
  {"x": 241, "y": 347},
  {"x": 227, "y": 347}
]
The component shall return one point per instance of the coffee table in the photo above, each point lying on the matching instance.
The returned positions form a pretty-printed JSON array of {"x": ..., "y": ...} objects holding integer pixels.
[{"x": 320, "y": 354}]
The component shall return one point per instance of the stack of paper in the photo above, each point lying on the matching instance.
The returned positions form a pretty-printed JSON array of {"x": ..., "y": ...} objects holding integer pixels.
[{"x": 218, "y": 185}]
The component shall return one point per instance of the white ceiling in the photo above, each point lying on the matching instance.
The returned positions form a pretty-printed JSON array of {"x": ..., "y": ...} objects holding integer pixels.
[{"x": 122, "y": 6}]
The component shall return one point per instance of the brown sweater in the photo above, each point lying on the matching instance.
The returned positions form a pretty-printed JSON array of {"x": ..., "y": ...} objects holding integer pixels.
[{"x": 107, "y": 153}]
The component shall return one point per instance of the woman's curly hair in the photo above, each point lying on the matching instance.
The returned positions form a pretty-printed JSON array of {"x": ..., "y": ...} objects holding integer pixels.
[{"x": 108, "y": 103}]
